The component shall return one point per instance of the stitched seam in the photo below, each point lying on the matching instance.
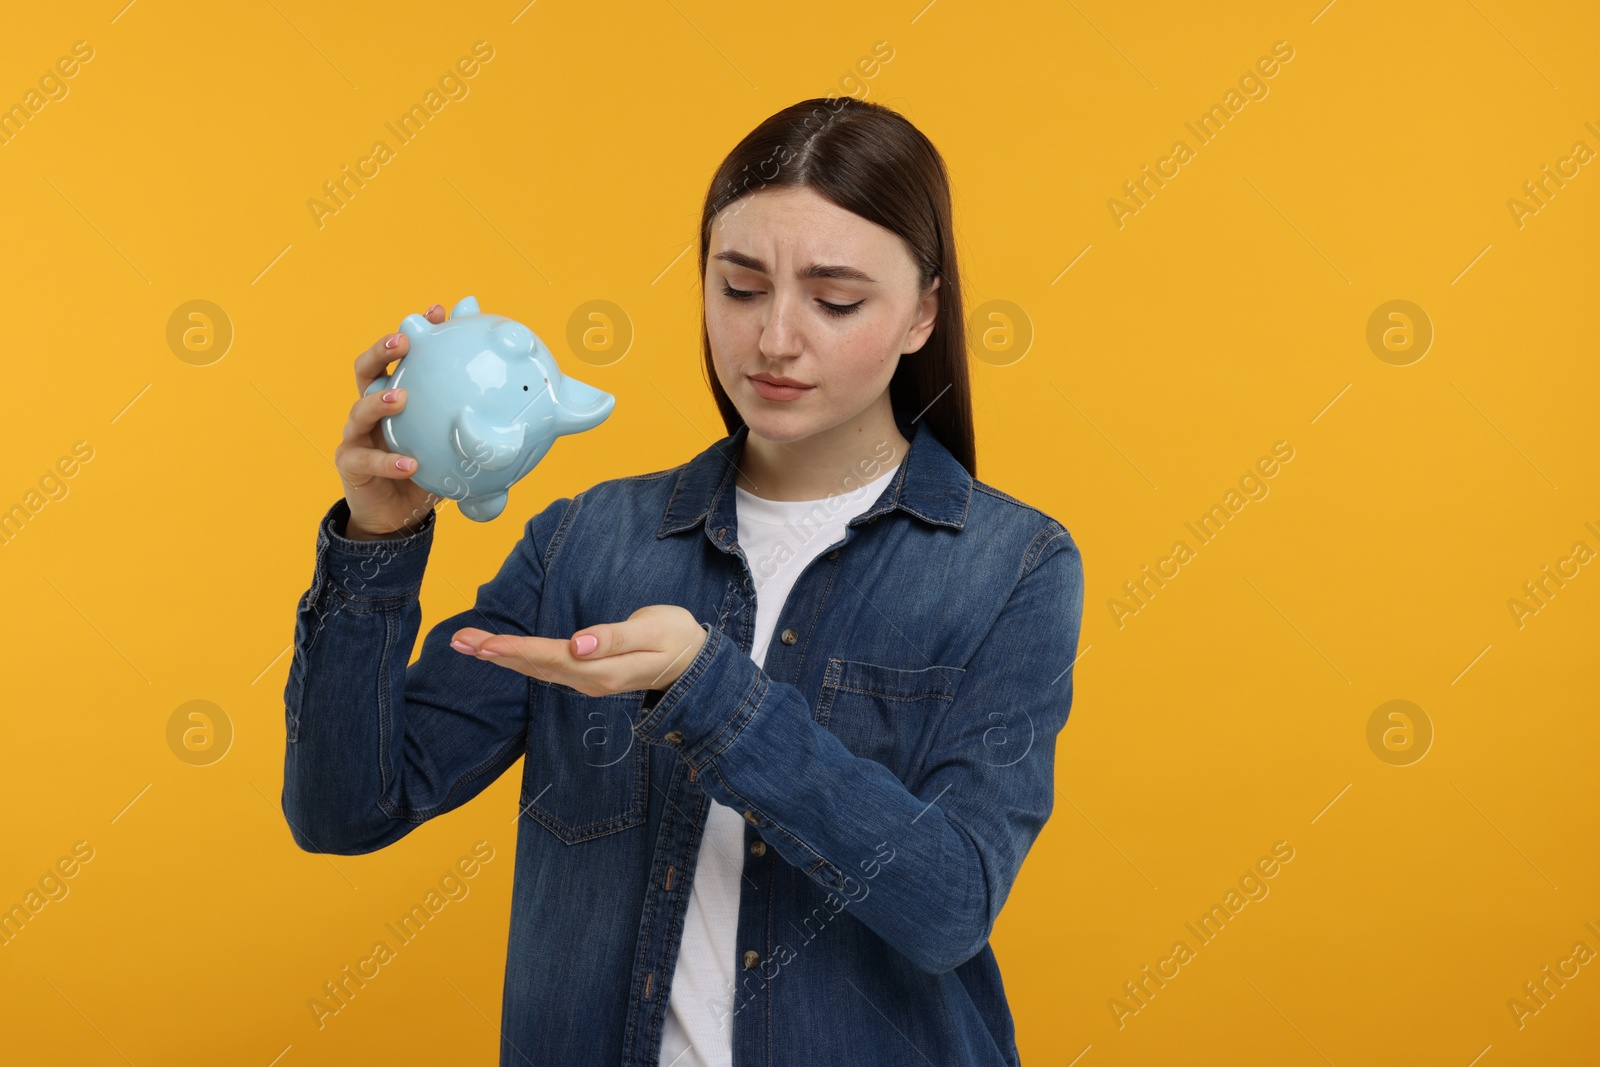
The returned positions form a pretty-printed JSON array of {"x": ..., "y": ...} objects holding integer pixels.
[
  {"x": 822, "y": 601},
  {"x": 705, "y": 750},
  {"x": 569, "y": 835},
  {"x": 1043, "y": 548},
  {"x": 985, "y": 886},
  {"x": 769, "y": 823},
  {"x": 636, "y": 811},
  {"x": 368, "y": 605},
  {"x": 693, "y": 673},
  {"x": 632, "y": 816},
  {"x": 383, "y": 546},
  {"x": 990, "y": 490},
  {"x": 1051, "y": 521},
  {"x": 647, "y": 476},
  {"x": 697, "y": 671},
  {"x": 824, "y": 709},
  {"x": 937, "y": 694},
  {"x": 728, "y": 475},
  {"x": 948, "y": 692},
  {"x": 683, "y": 470},
  {"x": 384, "y": 773},
  {"x": 766, "y": 986},
  {"x": 557, "y": 538},
  {"x": 984, "y": 487},
  {"x": 1059, "y": 531},
  {"x": 956, "y": 523},
  {"x": 420, "y": 815},
  {"x": 319, "y": 571},
  {"x": 897, "y": 486},
  {"x": 631, "y": 1026}
]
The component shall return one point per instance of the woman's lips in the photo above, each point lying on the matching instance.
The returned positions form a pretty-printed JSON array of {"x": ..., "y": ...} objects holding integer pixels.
[{"x": 770, "y": 391}]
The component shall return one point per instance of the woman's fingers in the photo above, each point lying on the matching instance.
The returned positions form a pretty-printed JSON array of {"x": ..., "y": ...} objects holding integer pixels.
[
  {"x": 365, "y": 413},
  {"x": 357, "y": 455},
  {"x": 472, "y": 640},
  {"x": 376, "y": 463},
  {"x": 648, "y": 650},
  {"x": 375, "y": 360},
  {"x": 537, "y": 657},
  {"x": 468, "y": 640},
  {"x": 357, "y": 462},
  {"x": 386, "y": 349}
]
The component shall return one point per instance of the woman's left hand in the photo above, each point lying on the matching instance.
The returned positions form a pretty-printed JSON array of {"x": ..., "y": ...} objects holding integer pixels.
[{"x": 647, "y": 651}]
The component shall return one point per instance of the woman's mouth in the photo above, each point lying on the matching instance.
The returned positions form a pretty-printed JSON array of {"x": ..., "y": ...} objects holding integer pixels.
[{"x": 769, "y": 390}]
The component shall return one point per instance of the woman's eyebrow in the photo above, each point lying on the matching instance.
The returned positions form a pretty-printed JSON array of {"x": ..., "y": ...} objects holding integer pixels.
[{"x": 816, "y": 270}]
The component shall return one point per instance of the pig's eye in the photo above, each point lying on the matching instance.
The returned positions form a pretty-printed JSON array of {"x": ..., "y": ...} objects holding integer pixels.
[{"x": 524, "y": 388}]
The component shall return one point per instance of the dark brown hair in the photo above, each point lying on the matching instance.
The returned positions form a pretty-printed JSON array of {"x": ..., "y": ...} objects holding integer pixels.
[{"x": 869, "y": 160}]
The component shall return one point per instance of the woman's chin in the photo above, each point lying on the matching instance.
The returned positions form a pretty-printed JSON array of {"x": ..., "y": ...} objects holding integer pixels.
[{"x": 780, "y": 426}]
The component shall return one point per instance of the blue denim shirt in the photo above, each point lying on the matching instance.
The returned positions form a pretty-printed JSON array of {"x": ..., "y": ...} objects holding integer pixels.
[{"x": 894, "y": 759}]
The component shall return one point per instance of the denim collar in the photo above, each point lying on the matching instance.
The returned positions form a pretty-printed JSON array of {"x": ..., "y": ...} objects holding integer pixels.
[{"x": 930, "y": 484}]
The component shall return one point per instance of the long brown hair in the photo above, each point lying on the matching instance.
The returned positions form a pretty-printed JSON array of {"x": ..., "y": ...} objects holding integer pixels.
[{"x": 869, "y": 160}]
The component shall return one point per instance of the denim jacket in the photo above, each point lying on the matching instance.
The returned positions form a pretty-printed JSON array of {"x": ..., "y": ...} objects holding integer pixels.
[{"x": 893, "y": 759}]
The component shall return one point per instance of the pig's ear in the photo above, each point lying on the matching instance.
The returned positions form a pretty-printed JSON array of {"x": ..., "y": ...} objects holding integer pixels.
[
  {"x": 415, "y": 326},
  {"x": 582, "y": 407},
  {"x": 515, "y": 336},
  {"x": 467, "y": 306}
]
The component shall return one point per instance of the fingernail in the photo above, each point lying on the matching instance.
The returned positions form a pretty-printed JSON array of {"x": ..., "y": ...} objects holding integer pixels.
[
  {"x": 461, "y": 646},
  {"x": 436, "y": 307},
  {"x": 390, "y": 395},
  {"x": 391, "y": 340},
  {"x": 587, "y": 644},
  {"x": 486, "y": 652},
  {"x": 403, "y": 464}
]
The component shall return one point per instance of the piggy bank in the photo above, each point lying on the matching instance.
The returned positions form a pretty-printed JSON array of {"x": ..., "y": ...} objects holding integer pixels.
[{"x": 484, "y": 402}]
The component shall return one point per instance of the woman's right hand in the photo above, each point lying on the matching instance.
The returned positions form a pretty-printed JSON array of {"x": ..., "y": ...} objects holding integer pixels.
[{"x": 384, "y": 502}]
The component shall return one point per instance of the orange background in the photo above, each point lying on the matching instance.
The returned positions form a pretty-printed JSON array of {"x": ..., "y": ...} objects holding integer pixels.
[{"x": 1229, "y": 313}]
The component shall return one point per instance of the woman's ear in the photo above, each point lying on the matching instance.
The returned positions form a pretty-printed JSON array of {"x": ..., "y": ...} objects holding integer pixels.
[{"x": 927, "y": 315}]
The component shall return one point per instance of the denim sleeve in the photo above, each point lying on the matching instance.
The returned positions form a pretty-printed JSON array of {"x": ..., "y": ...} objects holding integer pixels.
[
  {"x": 927, "y": 865},
  {"x": 374, "y": 747}
]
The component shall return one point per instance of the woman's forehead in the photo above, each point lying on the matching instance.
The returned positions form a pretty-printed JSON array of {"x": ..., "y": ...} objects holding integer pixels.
[{"x": 791, "y": 232}]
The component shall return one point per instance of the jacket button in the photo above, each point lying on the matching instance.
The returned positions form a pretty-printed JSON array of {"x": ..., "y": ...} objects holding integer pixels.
[
  {"x": 751, "y": 958},
  {"x": 758, "y": 848},
  {"x": 675, "y": 737},
  {"x": 789, "y": 636},
  {"x": 834, "y": 554},
  {"x": 750, "y": 817}
]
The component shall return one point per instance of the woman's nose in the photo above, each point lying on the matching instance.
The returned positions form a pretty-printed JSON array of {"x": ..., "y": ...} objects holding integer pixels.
[{"x": 781, "y": 335}]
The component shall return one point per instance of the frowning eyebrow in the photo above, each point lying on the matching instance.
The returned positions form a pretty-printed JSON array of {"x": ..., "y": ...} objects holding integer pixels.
[{"x": 837, "y": 272}]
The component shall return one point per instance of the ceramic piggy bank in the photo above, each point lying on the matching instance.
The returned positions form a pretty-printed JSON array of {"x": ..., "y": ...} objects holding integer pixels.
[{"x": 484, "y": 402}]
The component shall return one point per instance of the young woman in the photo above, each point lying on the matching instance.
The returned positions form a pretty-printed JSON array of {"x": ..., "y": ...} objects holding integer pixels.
[{"x": 787, "y": 710}]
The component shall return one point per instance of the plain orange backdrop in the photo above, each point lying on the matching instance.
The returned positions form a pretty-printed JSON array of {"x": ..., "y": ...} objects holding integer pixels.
[{"x": 1129, "y": 369}]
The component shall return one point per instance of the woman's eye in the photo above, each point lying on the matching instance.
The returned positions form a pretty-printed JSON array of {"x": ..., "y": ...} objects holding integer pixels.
[{"x": 831, "y": 309}]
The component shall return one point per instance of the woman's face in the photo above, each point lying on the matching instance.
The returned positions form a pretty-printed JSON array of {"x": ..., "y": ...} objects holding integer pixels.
[{"x": 820, "y": 296}]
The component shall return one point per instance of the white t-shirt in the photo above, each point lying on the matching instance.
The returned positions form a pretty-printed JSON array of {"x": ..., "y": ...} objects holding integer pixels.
[{"x": 779, "y": 538}]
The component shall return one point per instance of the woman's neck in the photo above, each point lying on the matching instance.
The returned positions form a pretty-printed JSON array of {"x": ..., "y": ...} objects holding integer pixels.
[{"x": 823, "y": 464}]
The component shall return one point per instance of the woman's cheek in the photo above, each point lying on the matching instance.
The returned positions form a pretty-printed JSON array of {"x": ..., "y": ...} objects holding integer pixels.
[{"x": 876, "y": 352}]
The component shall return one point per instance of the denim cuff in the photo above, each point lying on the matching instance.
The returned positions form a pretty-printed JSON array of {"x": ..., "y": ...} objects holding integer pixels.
[
  {"x": 703, "y": 711},
  {"x": 371, "y": 571}
]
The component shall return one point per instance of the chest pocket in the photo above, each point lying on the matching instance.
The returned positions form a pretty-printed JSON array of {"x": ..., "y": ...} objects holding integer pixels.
[
  {"x": 586, "y": 774},
  {"x": 885, "y": 713}
]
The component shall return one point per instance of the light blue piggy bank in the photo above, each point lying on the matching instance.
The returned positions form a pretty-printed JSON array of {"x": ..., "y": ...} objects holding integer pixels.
[{"x": 484, "y": 402}]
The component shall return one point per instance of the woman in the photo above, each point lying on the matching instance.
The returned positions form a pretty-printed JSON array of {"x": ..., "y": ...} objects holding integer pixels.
[{"x": 780, "y": 777}]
